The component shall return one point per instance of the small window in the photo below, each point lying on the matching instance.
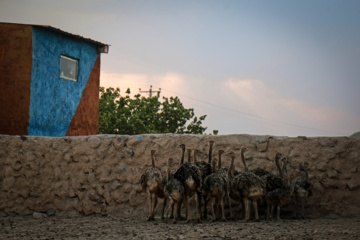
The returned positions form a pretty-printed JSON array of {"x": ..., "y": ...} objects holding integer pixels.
[{"x": 68, "y": 68}]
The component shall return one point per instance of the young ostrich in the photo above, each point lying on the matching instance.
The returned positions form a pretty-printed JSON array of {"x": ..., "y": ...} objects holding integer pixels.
[
  {"x": 153, "y": 182},
  {"x": 215, "y": 187},
  {"x": 206, "y": 170},
  {"x": 175, "y": 191},
  {"x": 274, "y": 181},
  {"x": 302, "y": 189},
  {"x": 248, "y": 186},
  {"x": 190, "y": 176},
  {"x": 172, "y": 173},
  {"x": 281, "y": 196},
  {"x": 226, "y": 173}
]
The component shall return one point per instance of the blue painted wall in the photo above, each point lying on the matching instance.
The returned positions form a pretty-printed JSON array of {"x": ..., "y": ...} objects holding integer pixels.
[{"x": 53, "y": 100}]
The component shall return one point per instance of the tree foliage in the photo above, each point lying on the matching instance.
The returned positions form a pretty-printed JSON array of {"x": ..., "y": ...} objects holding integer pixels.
[{"x": 138, "y": 115}]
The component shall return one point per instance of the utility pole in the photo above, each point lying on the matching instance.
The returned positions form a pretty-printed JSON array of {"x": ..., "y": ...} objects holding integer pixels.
[{"x": 150, "y": 91}]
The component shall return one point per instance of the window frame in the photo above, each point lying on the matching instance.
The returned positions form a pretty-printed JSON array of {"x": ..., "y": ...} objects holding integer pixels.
[{"x": 77, "y": 68}]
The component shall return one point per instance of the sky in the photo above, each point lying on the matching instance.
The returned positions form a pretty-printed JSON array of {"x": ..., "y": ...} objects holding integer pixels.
[{"x": 262, "y": 67}]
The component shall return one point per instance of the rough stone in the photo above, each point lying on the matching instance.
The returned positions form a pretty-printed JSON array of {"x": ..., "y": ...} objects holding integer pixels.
[
  {"x": 318, "y": 188},
  {"x": 8, "y": 183},
  {"x": 322, "y": 167},
  {"x": 332, "y": 173},
  {"x": 94, "y": 142},
  {"x": 39, "y": 215},
  {"x": 51, "y": 212},
  {"x": 119, "y": 196},
  {"x": 353, "y": 186}
]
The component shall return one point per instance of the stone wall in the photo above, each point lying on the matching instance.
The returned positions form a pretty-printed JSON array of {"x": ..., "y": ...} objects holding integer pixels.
[{"x": 100, "y": 174}]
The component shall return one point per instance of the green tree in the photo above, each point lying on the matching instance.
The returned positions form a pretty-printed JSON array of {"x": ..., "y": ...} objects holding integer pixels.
[{"x": 124, "y": 115}]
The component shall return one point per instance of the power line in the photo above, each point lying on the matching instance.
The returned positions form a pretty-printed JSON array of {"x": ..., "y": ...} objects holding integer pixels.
[{"x": 253, "y": 116}]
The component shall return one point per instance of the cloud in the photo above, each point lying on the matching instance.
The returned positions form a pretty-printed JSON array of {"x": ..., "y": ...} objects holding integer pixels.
[
  {"x": 172, "y": 82},
  {"x": 123, "y": 81},
  {"x": 167, "y": 82},
  {"x": 271, "y": 106}
]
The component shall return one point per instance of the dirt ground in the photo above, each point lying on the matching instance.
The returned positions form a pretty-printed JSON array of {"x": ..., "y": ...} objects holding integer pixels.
[{"x": 115, "y": 227}]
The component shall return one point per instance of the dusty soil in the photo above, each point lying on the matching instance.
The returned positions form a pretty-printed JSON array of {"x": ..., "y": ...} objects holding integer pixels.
[{"x": 111, "y": 227}]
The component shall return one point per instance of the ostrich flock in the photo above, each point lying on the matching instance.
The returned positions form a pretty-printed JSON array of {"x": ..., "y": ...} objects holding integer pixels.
[{"x": 207, "y": 182}]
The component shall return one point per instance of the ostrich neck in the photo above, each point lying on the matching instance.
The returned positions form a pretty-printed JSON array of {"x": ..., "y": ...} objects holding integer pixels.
[
  {"x": 213, "y": 166},
  {"x": 189, "y": 155},
  {"x": 284, "y": 169},
  {"x": 277, "y": 158},
  {"x": 306, "y": 173},
  {"x": 195, "y": 156},
  {"x": 285, "y": 175},
  {"x": 243, "y": 160},
  {"x": 182, "y": 156},
  {"x": 231, "y": 168},
  {"x": 210, "y": 153},
  {"x": 168, "y": 171},
  {"x": 153, "y": 160},
  {"x": 219, "y": 165}
]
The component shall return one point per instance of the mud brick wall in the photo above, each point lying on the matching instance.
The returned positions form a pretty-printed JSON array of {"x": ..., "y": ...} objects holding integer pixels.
[{"x": 100, "y": 174}]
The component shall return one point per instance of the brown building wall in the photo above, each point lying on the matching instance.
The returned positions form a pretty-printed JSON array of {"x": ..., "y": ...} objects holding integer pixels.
[
  {"x": 86, "y": 118},
  {"x": 15, "y": 77}
]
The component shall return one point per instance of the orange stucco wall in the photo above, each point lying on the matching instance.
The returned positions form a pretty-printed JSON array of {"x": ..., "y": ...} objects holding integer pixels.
[{"x": 15, "y": 77}]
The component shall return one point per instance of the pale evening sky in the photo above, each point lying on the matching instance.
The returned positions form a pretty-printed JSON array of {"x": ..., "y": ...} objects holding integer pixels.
[{"x": 277, "y": 67}]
